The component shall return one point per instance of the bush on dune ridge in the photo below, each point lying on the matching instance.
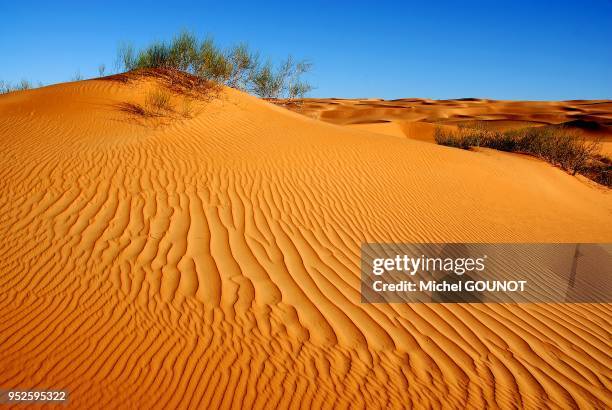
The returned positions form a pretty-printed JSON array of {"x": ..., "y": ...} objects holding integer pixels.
[
  {"x": 559, "y": 146},
  {"x": 6, "y": 87},
  {"x": 236, "y": 66}
]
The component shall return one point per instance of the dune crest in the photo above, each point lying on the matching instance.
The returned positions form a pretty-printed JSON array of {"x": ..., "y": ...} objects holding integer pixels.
[{"x": 213, "y": 261}]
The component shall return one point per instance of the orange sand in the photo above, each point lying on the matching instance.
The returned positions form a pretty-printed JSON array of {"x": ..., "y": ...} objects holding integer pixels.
[{"x": 213, "y": 261}]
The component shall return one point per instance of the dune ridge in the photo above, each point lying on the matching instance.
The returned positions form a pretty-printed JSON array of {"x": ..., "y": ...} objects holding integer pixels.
[{"x": 213, "y": 261}]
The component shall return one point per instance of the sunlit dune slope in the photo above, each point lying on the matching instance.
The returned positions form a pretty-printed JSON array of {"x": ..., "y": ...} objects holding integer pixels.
[{"x": 212, "y": 260}]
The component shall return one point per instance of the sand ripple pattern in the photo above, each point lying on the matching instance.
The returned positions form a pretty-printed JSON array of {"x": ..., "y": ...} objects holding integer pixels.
[{"x": 213, "y": 262}]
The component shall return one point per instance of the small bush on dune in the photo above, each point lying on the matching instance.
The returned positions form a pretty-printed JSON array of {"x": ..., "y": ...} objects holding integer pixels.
[
  {"x": 210, "y": 63},
  {"x": 157, "y": 55},
  {"x": 187, "y": 108},
  {"x": 451, "y": 138},
  {"x": 561, "y": 147},
  {"x": 558, "y": 146},
  {"x": 182, "y": 52},
  {"x": 266, "y": 83},
  {"x": 465, "y": 137},
  {"x": 126, "y": 58},
  {"x": 599, "y": 170},
  {"x": 158, "y": 102},
  {"x": 243, "y": 64},
  {"x": 284, "y": 82}
]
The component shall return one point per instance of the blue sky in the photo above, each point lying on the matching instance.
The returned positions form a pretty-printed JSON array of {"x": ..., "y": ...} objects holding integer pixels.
[{"x": 534, "y": 50}]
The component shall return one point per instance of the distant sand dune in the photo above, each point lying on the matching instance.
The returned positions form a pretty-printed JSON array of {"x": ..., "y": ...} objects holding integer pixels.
[
  {"x": 213, "y": 261},
  {"x": 591, "y": 118}
]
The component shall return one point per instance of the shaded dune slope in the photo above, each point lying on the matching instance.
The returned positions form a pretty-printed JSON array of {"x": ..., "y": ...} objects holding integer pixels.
[{"x": 213, "y": 261}]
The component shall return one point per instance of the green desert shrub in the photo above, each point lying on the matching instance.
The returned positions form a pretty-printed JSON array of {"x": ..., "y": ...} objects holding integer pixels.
[
  {"x": 465, "y": 137},
  {"x": 243, "y": 64},
  {"x": 557, "y": 145},
  {"x": 182, "y": 52},
  {"x": 266, "y": 82},
  {"x": 126, "y": 57},
  {"x": 211, "y": 63},
  {"x": 451, "y": 138},
  {"x": 236, "y": 66},
  {"x": 285, "y": 81}
]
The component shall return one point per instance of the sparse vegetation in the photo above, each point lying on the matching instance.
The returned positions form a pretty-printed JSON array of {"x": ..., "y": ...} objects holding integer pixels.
[
  {"x": 6, "y": 87},
  {"x": 557, "y": 145},
  {"x": 599, "y": 170},
  {"x": 157, "y": 102},
  {"x": 187, "y": 108},
  {"x": 236, "y": 66},
  {"x": 162, "y": 105},
  {"x": 209, "y": 65}
]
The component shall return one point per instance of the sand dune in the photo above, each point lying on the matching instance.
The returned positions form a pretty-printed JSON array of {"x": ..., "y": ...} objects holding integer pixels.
[
  {"x": 213, "y": 261},
  {"x": 591, "y": 118}
]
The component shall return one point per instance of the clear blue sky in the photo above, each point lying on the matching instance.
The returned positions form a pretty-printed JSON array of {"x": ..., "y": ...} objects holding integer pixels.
[{"x": 546, "y": 50}]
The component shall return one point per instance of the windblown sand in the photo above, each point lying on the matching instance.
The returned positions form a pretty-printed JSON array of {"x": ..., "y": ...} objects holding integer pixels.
[{"x": 213, "y": 261}]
